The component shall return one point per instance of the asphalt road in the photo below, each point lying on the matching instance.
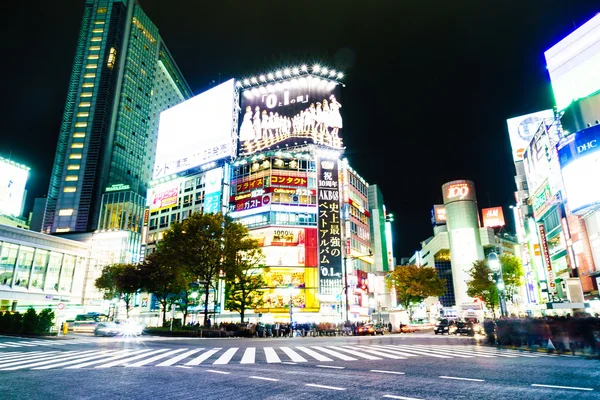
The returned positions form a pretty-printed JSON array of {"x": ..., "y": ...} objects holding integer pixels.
[{"x": 419, "y": 366}]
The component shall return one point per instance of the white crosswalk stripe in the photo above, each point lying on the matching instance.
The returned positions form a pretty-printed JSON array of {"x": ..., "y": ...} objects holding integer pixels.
[{"x": 184, "y": 356}]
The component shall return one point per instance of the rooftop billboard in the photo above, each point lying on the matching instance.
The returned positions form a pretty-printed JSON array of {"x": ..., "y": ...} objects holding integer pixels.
[
  {"x": 196, "y": 131},
  {"x": 13, "y": 178},
  {"x": 521, "y": 130}
]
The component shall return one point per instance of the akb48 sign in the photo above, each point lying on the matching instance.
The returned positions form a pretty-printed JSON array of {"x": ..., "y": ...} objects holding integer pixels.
[{"x": 330, "y": 236}]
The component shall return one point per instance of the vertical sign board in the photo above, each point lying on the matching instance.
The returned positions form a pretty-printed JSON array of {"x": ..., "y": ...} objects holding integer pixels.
[
  {"x": 212, "y": 191},
  {"x": 330, "y": 235},
  {"x": 547, "y": 260}
]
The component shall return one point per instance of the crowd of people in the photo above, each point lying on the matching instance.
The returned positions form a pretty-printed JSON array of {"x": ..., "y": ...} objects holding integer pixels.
[{"x": 578, "y": 333}]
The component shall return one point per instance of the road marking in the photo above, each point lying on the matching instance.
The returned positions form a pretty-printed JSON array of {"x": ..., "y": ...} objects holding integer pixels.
[
  {"x": 218, "y": 372},
  {"x": 119, "y": 362},
  {"x": 13, "y": 356},
  {"x": 183, "y": 366},
  {"x": 156, "y": 358},
  {"x": 289, "y": 363},
  {"x": 262, "y": 378},
  {"x": 334, "y": 353},
  {"x": 123, "y": 354},
  {"x": 313, "y": 354},
  {"x": 357, "y": 353},
  {"x": 61, "y": 364},
  {"x": 462, "y": 379},
  {"x": 35, "y": 358},
  {"x": 293, "y": 355},
  {"x": 398, "y": 352},
  {"x": 272, "y": 357},
  {"x": 249, "y": 356},
  {"x": 77, "y": 357},
  {"x": 440, "y": 351},
  {"x": 226, "y": 357},
  {"x": 391, "y": 396},
  {"x": 324, "y": 387},
  {"x": 378, "y": 352},
  {"x": 203, "y": 356},
  {"x": 562, "y": 387},
  {"x": 180, "y": 357},
  {"x": 330, "y": 366},
  {"x": 388, "y": 372},
  {"x": 408, "y": 349}
]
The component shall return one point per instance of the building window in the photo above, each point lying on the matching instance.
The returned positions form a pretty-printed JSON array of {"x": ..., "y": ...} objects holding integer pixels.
[
  {"x": 112, "y": 56},
  {"x": 97, "y": 30},
  {"x": 70, "y": 189},
  {"x": 88, "y": 84},
  {"x": 93, "y": 57},
  {"x": 86, "y": 94},
  {"x": 98, "y": 22},
  {"x": 77, "y": 146},
  {"x": 89, "y": 75},
  {"x": 54, "y": 266},
  {"x": 79, "y": 135},
  {"x": 83, "y": 114},
  {"x": 80, "y": 124},
  {"x": 72, "y": 178},
  {"x": 96, "y": 39},
  {"x": 102, "y": 10},
  {"x": 85, "y": 104},
  {"x": 74, "y": 167},
  {"x": 8, "y": 257},
  {"x": 75, "y": 156},
  {"x": 65, "y": 212},
  {"x": 40, "y": 262}
]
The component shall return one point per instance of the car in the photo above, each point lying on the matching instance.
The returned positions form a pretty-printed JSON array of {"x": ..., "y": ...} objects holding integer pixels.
[
  {"x": 380, "y": 329},
  {"x": 444, "y": 326},
  {"x": 108, "y": 329},
  {"x": 468, "y": 328},
  {"x": 365, "y": 330},
  {"x": 407, "y": 329}
]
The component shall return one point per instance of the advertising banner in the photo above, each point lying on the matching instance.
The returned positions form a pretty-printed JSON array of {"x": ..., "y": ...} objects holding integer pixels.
[
  {"x": 330, "y": 235},
  {"x": 579, "y": 159},
  {"x": 547, "y": 260},
  {"x": 438, "y": 215},
  {"x": 458, "y": 191},
  {"x": 521, "y": 130},
  {"x": 285, "y": 180},
  {"x": 196, "y": 131},
  {"x": 493, "y": 217},
  {"x": 164, "y": 196},
  {"x": 12, "y": 187},
  {"x": 253, "y": 202},
  {"x": 212, "y": 191},
  {"x": 249, "y": 185},
  {"x": 297, "y": 110},
  {"x": 541, "y": 161}
]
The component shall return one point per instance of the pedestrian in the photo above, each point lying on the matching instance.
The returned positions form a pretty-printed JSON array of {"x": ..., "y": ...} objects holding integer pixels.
[{"x": 390, "y": 327}]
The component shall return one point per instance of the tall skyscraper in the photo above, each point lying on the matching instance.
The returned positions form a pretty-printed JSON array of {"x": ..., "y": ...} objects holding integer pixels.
[{"x": 123, "y": 77}]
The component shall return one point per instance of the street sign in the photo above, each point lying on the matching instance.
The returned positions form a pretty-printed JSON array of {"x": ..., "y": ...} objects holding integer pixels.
[{"x": 60, "y": 306}]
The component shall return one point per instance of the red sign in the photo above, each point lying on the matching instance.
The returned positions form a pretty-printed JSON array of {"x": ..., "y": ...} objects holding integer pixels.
[
  {"x": 288, "y": 180},
  {"x": 60, "y": 306},
  {"x": 249, "y": 185},
  {"x": 252, "y": 203},
  {"x": 165, "y": 198},
  {"x": 493, "y": 217},
  {"x": 546, "y": 253}
]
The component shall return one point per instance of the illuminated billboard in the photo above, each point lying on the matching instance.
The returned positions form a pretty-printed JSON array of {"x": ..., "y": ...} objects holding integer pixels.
[
  {"x": 212, "y": 191},
  {"x": 13, "y": 178},
  {"x": 294, "y": 111},
  {"x": 580, "y": 162},
  {"x": 163, "y": 196},
  {"x": 574, "y": 64},
  {"x": 522, "y": 129},
  {"x": 287, "y": 247},
  {"x": 540, "y": 161},
  {"x": 438, "y": 215},
  {"x": 460, "y": 190},
  {"x": 493, "y": 217},
  {"x": 196, "y": 131}
]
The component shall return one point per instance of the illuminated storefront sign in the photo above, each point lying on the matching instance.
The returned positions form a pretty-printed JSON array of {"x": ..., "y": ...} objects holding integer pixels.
[
  {"x": 547, "y": 260},
  {"x": 288, "y": 180},
  {"x": 164, "y": 196},
  {"x": 438, "y": 215},
  {"x": 249, "y": 185},
  {"x": 542, "y": 200},
  {"x": 212, "y": 197},
  {"x": 252, "y": 203},
  {"x": 493, "y": 217},
  {"x": 117, "y": 188},
  {"x": 330, "y": 236},
  {"x": 458, "y": 190}
]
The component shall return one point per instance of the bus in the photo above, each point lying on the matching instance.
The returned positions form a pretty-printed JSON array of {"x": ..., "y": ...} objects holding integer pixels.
[{"x": 88, "y": 322}]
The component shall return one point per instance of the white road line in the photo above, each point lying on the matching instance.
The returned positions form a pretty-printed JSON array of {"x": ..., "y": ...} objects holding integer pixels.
[
  {"x": 562, "y": 387},
  {"x": 10, "y": 344},
  {"x": 441, "y": 351},
  {"x": 20, "y": 355},
  {"x": 26, "y": 344},
  {"x": 226, "y": 357},
  {"x": 391, "y": 396},
  {"x": 180, "y": 357},
  {"x": 378, "y": 352},
  {"x": 313, "y": 354},
  {"x": 203, "y": 356},
  {"x": 462, "y": 379},
  {"x": 357, "y": 353},
  {"x": 398, "y": 352},
  {"x": 471, "y": 352},
  {"x": 183, "y": 366},
  {"x": 388, "y": 372},
  {"x": 262, "y": 378},
  {"x": 218, "y": 372},
  {"x": 45, "y": 362},
  {"x": 272, "y": 357},
  {"x": 293, "y": 355},
  {"x": 419, "y": 352},
  {"x": 249, "y": 356},
  {"x": 334, "y": 353},
  {"x": 137, "y": 357},
  {"x": 62, "y": 364},
  {"x": 156, "y": 358},
  {"x": 36, "y": 358},
  {"x": 121, "y": 354},
  {"x": 330, "y": 366},
  {"x": 289, "y": 363},
  {"x": 324, "y": 387}
]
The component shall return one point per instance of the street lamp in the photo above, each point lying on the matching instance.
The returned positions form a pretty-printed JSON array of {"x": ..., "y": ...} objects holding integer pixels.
[{"x": 496, "y": 267}]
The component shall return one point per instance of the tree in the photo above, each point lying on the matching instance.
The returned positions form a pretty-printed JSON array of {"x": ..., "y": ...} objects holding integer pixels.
[
  {"x": 244, "y": 284},
  {"x": 121, "y": 281},
  {"x": 512, "y": 274},
  {"x": 413, "y": 284},
  {"x": 482, "y": 285},
  {"x": 162, "y": 278}
]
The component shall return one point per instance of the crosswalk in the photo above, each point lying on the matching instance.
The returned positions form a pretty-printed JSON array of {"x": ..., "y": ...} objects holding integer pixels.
[
  {"x": 7, "y": 342},
  {"x": 189, "y": 357}
]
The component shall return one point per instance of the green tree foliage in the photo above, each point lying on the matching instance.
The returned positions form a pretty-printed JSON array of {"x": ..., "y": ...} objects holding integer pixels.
[
  {"x": 481, "y": 285},
  {"x": 512, "y": 274},
  {"x": 413, "y": 284},
  {"x": 28, "y": 323},
  {"x": 121, "y": 281},
  {"x": 244, "y": 284},
  {"x": 30, "y": 320},
  {"x": 45, "y": 319}
]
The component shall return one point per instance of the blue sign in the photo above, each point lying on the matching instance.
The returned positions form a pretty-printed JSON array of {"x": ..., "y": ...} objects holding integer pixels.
[
  {"x": 581, "y": 144},
  {"x": 212, "y": 203}
]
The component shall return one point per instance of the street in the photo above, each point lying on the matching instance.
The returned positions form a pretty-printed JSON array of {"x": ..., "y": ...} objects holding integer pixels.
[{"x": 419, "y": 366}]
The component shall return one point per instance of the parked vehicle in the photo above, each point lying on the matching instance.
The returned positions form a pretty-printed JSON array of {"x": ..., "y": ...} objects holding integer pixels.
[
  {"x": 445, "y": 327},
  {"x": 469, "y": 327}
]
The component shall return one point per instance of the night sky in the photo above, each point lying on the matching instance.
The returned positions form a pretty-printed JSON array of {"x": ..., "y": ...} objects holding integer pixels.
[{"x": 429, "y": 84}]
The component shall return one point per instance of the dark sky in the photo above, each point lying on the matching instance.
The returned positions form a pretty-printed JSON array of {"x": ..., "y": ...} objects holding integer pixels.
[{"x": 429, "y": 84}]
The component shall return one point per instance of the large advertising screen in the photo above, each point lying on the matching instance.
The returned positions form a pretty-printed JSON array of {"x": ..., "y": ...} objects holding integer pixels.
[
  {"x": 580, "y": 162},
  {"x": 163, "y": 196},
  {"x": 330, "y": 235},
  {"x": 212, "y": 191},
  {"x": 287, "y": 247},
  {"x": 461, "y": 190},
  {"x": 541, "y": 161},
  {"x": 12, "y": 187},
  {"x": 304, "y": 109},
  {"x": 574, "y": 64},
  {"x": 493, "y": 217},
  {"x": 438, "y": 215},
  {"x": 521, "y": 130},
  {"x": 196, "y": 131}
]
